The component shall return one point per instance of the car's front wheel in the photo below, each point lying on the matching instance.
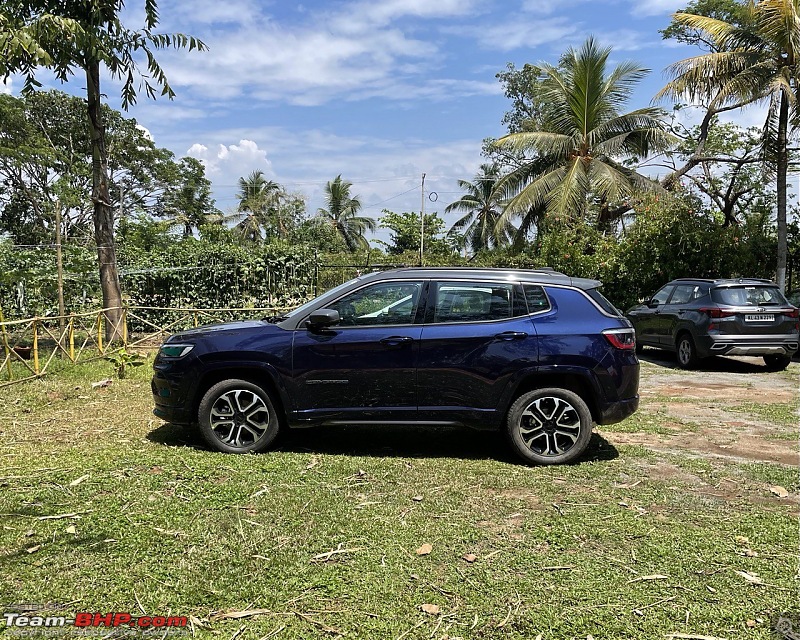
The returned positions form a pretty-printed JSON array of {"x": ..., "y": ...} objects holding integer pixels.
[
  {"x": 549, "y": 426},
  {"x": 777, "y": 362},
  {"x": 237, "y": 416}
]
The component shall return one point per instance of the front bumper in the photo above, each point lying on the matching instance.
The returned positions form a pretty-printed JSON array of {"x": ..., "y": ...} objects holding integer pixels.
[{"x": 172, "y": 394}]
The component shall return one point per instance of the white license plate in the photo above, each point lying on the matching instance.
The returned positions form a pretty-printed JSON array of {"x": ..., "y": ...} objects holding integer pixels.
[{"x": 759, "y": 317}]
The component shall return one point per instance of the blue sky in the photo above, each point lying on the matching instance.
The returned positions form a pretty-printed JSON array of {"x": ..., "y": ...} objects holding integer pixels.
[{"x": 377, "y": 90}]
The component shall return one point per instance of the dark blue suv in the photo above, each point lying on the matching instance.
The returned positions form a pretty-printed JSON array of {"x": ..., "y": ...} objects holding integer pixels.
[{"x": 534, "y": 352}]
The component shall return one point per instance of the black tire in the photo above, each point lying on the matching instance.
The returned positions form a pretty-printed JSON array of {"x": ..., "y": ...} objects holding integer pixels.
[
  {"x": 776, "y": 362},
  {"x": 639, "y": 348},
  {"x": 253, "y": 424},
  {"x": 533, "y": 421},
  {"x": 686, "y": 353}
]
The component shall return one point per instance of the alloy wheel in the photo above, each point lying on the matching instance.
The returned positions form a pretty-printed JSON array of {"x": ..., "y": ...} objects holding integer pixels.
[{"x": 239, "y": 418}]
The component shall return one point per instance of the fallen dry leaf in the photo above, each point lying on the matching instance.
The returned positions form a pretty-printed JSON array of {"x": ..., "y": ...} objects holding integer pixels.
[
  {"x": 247, "y": 613},
  {"x": 102, "y": 383},
  {"x": 425, "y": 549},
  {"x": 469, "y": 557},
  {"x": 417, "y": 498},
  {"x": 33, "y": 549},
  {"x": 77, "y": 481},
  {"x": 751, "y": 624},
  {"x": 71, "y": 529},
  {"x": 752, "y": 578},
  {"x": 656, "y": 576},
  {"x": 432, "y": 609},
  {"x": 779, "y": 491},
  {"x": 742, "y": 540}
]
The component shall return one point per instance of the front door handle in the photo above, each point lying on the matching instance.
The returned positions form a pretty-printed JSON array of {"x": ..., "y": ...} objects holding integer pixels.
[
  {"x": 511, "y": 335},
  {"x": 396, "y": 341}
]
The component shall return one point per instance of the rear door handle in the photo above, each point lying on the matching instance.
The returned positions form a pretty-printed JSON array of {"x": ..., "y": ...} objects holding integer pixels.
[
  {"x": 511, "y": 335},
  {"x": 395, "y": 341}
]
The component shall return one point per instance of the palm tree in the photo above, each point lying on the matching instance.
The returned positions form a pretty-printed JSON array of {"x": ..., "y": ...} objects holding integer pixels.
[
  {"x": 342, "y": 214},
  {"x": 483, "y": 227},
  {"x": 582, "y": 140},
  {"x": 257, "y": 206},
  {"x": 755, "y": 60}
]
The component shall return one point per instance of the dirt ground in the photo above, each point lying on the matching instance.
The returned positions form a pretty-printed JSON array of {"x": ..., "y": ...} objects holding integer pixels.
[{"x": 703, "y": 410}]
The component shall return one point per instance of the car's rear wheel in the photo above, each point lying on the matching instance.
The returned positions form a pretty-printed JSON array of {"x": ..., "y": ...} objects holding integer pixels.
[
  {"x": 237, "y": 416},
  {"x": 777, "y": 362},
  {"x": 687, "y": 353},
  {"x": 549, "y": 426}
]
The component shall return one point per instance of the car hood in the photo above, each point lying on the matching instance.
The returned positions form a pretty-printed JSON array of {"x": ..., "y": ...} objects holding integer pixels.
[{"x": 231, "y": 328}]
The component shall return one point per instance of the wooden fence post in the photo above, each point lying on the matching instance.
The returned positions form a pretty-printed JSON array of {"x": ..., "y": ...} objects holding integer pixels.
[
  {"x": 6, "y": 348},
  {"x": 71, "y": 337},
  {"x": 36, "y": 346},
  {"x": 100, "y": 333}
]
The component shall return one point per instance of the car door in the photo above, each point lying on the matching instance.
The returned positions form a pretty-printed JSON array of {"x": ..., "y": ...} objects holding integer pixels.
[
  {"x": 646, "y": 317},
  {"x": 671, "y": 313},
  {"x": 475, "y": 337},
  {"x": 362, "y": 369}
]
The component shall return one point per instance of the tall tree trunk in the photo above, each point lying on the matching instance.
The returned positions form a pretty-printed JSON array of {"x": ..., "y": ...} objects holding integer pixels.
[
  {"x": 782, "y": 166},
  {"x": 103, "y": 212}
]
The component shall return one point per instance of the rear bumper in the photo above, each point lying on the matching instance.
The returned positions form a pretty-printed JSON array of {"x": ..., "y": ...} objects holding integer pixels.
[
  {"x": 617, "y": 411},
  {"x": 759, "y": 345}
]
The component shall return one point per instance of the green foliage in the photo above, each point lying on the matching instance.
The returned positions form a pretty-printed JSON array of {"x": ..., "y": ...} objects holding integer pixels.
[
  {"x": 672, "y": 238},
  {"x": 122, "y": 359},
  {"x": 64, "y": 37},
  {"x": 35, "y": 270},
  {"x": 730, "y": 11},
  {"x": 342, "y": 214},
  {"x": 202, "y": 274},
  {"x": 405, "y": 234}
]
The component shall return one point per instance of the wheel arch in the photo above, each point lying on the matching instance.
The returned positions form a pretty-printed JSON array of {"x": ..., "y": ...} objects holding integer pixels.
[
  {"x": 571, "y": 381},
  {"x": 254, "y": 373}
]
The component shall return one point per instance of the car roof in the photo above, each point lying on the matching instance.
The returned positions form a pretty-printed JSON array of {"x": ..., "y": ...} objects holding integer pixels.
[
  {"x": 543, "y": 275},
  {"x": 724, "y": 281}
]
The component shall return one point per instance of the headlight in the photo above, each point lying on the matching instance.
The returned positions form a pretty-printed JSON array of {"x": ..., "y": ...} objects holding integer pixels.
[{"x": 176, "y": 350}]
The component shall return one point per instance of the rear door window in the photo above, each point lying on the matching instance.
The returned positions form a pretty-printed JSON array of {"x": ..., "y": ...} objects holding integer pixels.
[
  {"x": 474, "y": 301},
  {"x": 749, "y": 296},
  {"x": 683, "y": 293}
]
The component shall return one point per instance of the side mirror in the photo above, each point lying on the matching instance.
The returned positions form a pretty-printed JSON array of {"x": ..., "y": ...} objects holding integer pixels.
[
  {"x": 652, "y": 303},
  {"x": 322, "y": 318}
]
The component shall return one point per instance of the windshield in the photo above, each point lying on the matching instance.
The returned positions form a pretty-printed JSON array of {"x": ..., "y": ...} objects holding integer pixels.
[
  {"x": 748, "y": 296},
  {"x": 305, "y": 307}
]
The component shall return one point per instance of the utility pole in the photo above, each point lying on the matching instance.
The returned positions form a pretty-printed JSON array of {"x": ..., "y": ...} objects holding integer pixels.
[
  {"x": 422, "y": 224},
  {"x": 60, "y": 268}
]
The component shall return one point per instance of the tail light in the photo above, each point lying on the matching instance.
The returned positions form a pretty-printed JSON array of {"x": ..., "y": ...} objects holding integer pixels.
[
  {"x": 794, "y": 313},
  {"x": 621, "y": 338},
  {"x": 716, "y": 312}
]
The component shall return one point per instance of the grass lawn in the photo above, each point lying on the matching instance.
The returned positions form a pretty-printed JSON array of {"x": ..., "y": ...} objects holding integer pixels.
[{"x": 105, "y": 508}]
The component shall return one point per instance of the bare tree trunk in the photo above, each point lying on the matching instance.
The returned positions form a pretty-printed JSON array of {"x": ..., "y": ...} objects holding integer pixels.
[
  {"x": 782, "y": 166},
  {"x": 103, "y": 212}
]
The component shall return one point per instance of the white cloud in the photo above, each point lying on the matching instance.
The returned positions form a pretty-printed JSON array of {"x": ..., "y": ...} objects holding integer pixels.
[
  {"x": 645, "y": 8},
  {"x": 522, "y": 32},
  {"x": 227, "y": 163},
  {"x": 356, "y": 50}
]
